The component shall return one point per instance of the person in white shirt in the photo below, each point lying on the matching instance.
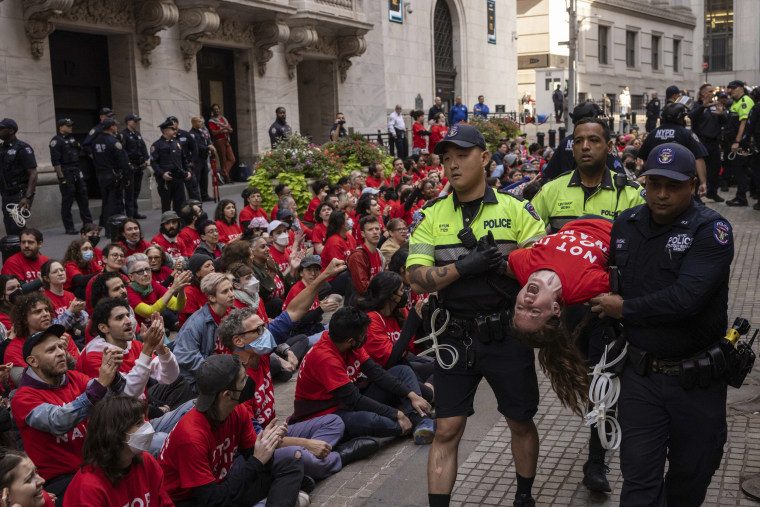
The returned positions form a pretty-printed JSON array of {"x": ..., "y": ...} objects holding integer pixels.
[{"x": 397, "y": 128}]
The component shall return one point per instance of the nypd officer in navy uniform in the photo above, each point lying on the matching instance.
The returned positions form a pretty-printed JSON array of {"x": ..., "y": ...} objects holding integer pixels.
[
  {"x": 190, "y": 149},
  {"x": 95, "y": 131},
  {"x": 18, "y": 173},
  {"x": 653, "y": 113},
  {"x": 111, "y": 167},
  {"x": 202, "y": 139},
  {"x": 138, "y": 161},
  {"x": 279, "y": 128},
  {"x": 170, "y": 167},
  {"x": 563, "y": 160},
  {"x": 672, "y": 130},
  {"x": 707, "y": 119},
  {"x": 64, "y": 156},
  {"x": 674, "y": 257}
]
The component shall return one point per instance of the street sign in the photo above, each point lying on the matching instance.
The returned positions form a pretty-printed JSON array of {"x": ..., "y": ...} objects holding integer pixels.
[{"x": 704, "y": 65}]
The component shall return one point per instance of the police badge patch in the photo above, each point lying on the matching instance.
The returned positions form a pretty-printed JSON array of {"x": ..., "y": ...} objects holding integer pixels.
[
  {"x": 273, "y": 131},
  {"x": 722, "y": 232},
  {"x": 118, "y": 145},
  {"x": 665, "y": 156},
  {"x": 532, "y": 211},
  {"x": 452, "y": 131},
  {"x": 53, "y": 143},
  {"x": 417, "y": 219},
  {"x": 643, "y": 193}
]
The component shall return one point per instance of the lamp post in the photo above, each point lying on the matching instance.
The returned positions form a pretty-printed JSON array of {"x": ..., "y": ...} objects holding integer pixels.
[{"x": 572, "y": 74}]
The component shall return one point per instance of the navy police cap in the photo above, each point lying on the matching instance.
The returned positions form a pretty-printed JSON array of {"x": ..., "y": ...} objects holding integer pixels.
[
  {"x": 735, "y": 84},
  {"x": 131, "y": 117},
  {"x": 462, "y": 135},
  {"x": 109, "y": 122},
  {"x": 168, "y": 124},
  {"x": 9, "y": 123},
  {"x": 671, "y": 160},
  {"x": 106, "y": 111},
  {"x": 65, "y": 121}
]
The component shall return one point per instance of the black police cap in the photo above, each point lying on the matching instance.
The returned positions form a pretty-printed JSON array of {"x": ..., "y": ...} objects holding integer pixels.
[
  {"x": 168, "y": 124},
  {"x": 65, "y": 121},
  {"x": 131, "y": 117},
  {"x": 106, "y": 111},
  {"x": 585, "y": 110},
  {"x": 109, "y": 122},
  {"x": 671, "y": 91},
  {"x": 735, "y": 84},
  {"x": 172, "y": 119},
  {"x": 9, "y": 123},
  {"x": 462, "y": 135}
]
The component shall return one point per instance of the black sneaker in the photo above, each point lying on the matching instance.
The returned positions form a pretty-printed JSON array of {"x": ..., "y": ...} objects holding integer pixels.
[
  {"x": 714, "y": 196},
  {"x": 524, "y": 500},
  {"x": 737, "y": 202},
  {"x": 595, "y": 478}
]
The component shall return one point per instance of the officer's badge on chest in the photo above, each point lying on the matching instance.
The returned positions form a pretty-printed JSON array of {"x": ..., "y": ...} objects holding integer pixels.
[{"x": 679, "y": 242}]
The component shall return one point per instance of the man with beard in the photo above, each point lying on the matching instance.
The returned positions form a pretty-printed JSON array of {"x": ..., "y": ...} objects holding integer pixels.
[
  {"x": 279, "y": 128},
  {"x": 27, "y": 263},
  {"x": 167, "y": 236},
  {"x": 52, "y": 404},
  {"x": 188, "y": 237}
]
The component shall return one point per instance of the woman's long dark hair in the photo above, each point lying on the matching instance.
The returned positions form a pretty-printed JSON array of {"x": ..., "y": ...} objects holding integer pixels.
[
  {"x": 74, "y": 253},
  {"x": 379, "y": 291},
  {"x": 363, "y": 205},
  {"x": 10, "y": 459},
  {"x": 45, "y": 272},
  {"x": 219, "y": 212},
  {"x": 107, "y": 434},
  {"x": 561, "y": 360},
  {"x": 336, "y": 223},
  {"x": 5, "y": 306},
  {"x": 318, "y": 212}
]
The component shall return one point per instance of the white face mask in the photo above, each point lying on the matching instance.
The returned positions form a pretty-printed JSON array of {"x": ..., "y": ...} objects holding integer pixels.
[
  {"x": 283, "y": 239},
  {"x": 140, "y": 440},
  {"x": 349, "y": 224},
  {"x": 252, "y": 287}
]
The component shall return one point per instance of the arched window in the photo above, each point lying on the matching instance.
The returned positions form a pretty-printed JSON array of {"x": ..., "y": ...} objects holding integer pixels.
[{"x": 445, "y": 72}]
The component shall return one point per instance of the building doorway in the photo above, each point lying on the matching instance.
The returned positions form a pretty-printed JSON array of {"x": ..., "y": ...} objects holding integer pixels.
[
  {"x": 443, "y": 38},
  {"x": 317, "y": 99},
  {"x": 216, "y": 85},
  {"x": 81, "y": 86}
]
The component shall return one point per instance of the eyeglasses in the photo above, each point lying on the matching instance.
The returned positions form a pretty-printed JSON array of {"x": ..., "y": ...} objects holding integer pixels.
[
  {"x": 212, "y": 231},
  {"x": 258, "y": 330},
  {"x": 116, "y": 256},
  {"x": 143, "y": 271}
]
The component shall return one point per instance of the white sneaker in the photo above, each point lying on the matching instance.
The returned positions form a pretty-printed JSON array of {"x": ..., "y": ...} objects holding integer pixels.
[{"x": 303, "y": 499}]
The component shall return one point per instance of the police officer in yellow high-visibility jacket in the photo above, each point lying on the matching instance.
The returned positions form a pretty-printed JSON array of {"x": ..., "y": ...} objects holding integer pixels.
[
  {"x": 450, "y": 252},
  {"x": 591, "y": 189}
]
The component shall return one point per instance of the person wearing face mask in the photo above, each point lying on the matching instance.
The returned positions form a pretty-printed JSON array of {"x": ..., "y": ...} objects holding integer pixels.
[
  {"x": 244, "y": 332},
  {"x": 21, "y": 482},
  {"x": 117, "y": 468},
  {"x": 68, "y": 310},
  {"x": 288, "y": 213},
  {"x": 274, "y": 286},
  {"x": 10, "y": 290},
  {"x": 91, "y": 232},
  {"x": 197, "y": 459},
  {"x": 131, "y": 238},
  {"x": 168, "y": 238},
  {"x": 282, "y": 255},
  {"x": 80, "y": 265}
]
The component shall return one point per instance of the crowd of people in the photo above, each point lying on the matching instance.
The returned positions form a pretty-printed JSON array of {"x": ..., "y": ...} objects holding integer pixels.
[{"x": 146, "y": 369}]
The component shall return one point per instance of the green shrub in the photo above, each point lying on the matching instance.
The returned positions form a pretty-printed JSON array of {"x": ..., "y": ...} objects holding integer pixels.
[{"x": 495, "y": 129}]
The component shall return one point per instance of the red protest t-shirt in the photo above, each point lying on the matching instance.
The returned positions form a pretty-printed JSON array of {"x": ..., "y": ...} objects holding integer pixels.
[
  {"x": 318, "y": 233},
  {"x": 373, "y": 182},
  {"x": 261, "y": 406},
  {"x": 294, "y": 291},
  {"x": 336, "y": 247},
  {"x": 92, "y": 357},
  {"x": 325, "y": 369},
  {"x": 60, "y": 303},
  {"x": 382, "y": 333},
  {"x": 72, "y": 270},
  {"x": 173, "y": 248},
  {"x": 227, "y": 232},
  {"x": 14, "y": 352},
  {"x": 418, "y": 140},
  {"x": 247, "y": 214},
  {"x": 218, "y": 347},
  {"x": 194, "y": 300},
  {"x": 189, "y": 239},
  {"x": 142, "y": 486},
  {"x": 309, "y": 215},
  {"x": 281, "y": 258},
  {"x": 54, "y": 455},
  {"x": 162, "y": 274},
  {"x": 138, "y": 247},
  {"x": 27, "y": 270},
  {"x": 195, "y": 454},
  {"x": 578, "y": 253}
]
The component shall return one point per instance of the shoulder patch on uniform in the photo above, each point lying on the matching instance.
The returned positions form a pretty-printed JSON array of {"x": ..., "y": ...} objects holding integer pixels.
[
  {"x": 53, "y": 143},
  {"x": 153, "y": 148},
  {"x": 91, "y": 132},
  {"x": 273, "y": 131},
  {"x": 722, "y": 232},
  {"x": 507, "y": 192},
  {"x": 643, "y": 193},
  {"x": 29, "y": 150},
  {"x": 532, "y": 211},
  {"x": 117, "y": 144},
  {"x": 694, "y": 136},
  {"x": 431, "y": 203},
  {"x": 417, "y": 219}
]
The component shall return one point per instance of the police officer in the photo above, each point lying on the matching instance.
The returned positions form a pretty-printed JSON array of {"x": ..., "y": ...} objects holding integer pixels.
[
  {"x": 734, "y": 131},
  {"x": 707, "y": 118},
  {"x": 592, "y": 188},
  {"x": 95, "y": 131},
  {"x": 202, "y": 139},
  {"x": 64, "y": 156},
  {"x": 111, "y": 167},
  {"x": 563, "y": 161},
  {"x": 18, "y": 173},
  {"x": 279, "y": 128},
  {"x": 137, "y": 152},
  {"x": 450, "y": 253},
  {"x": 674, "y": 258},
  {"x": 190, "y": 149},
  {"x": 170, "y": 167},
  {"x": 672, "y": 94},
  {"x": 653, "y": 112},
  {"x": 672, "y": 130}
]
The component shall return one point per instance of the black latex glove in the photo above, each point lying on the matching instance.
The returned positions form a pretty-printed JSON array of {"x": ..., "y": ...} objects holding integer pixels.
[{"x": 479, "y": 260}]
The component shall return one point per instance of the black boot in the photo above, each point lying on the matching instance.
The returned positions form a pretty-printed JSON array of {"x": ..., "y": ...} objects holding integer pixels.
[
  {"x": 594, "y": 476},
  {"x": 736, "y": 201},
  {"x": 524, "y": 500},
  {"x": 356, "y": 449}
]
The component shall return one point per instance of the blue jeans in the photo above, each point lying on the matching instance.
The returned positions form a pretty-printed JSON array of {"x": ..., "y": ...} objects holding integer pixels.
[{"x": 327, "y": 428}]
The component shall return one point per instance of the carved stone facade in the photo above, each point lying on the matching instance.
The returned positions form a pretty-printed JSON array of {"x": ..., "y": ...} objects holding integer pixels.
[
  {"x": 37, "y": 14},
  {"x": 194, "y": 23},
  {"x": 119, "y": 13},
  {"x": 154, "y": 16},
  {"x": 266, "y": 35},
  {"x": 302, "y": 38}
]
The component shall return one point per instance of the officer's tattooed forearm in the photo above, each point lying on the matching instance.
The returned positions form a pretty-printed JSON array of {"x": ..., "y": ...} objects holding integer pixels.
[{"x": 428, "y": 278}]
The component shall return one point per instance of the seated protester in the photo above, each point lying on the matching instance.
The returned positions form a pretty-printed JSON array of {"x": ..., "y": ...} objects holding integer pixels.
[
  {"x": 319, "y": 188},
  {"x": 20, "y": 482},
  {"x": 322, "y": 217},
  {"x": 311, "y": 323},
  {"x": 252, "y": 197},
  {"x": 168, "y": 238},
  {"x": 280, "y": 190},
  {"x": 147, "y": 296},
  {"x": 246, "y": 288},
  {"x": 27, "y": 263},
  {"x": 197, "y": 457},
  {"x": 424, "y": 191},
  {"x": 346, "y": 203},
  {"x": 237, "y": 251},
  {"x": 160, "y": 272},
  {"x": 197, "y": 338},
  {"x": 368, "y": 205},
  {"x": 398, "y": 265},
  {"x": 80, "y": 265},
  {"x": 114, "y": 328},
  {"x": 199, "y": 266},
  {"x": 398, "y": 233},
  {"x": 210, "y": 244},
  {"x": 343, "y": 185},
  {"x": 390, "y": 335},
  {"x": 329, "y": 383},
  {"x": 273, "y": 285},
  {"x": 91, "y": 232},
  {"x": 131, "y": 238},
  {"x": 117, "y": 468},
  {"x": 114, "y": 256},
  {"x": 289, "y": 214},
  {"x": 357, "y": 183},
  {"x": 67, "y": 310},
  {"x": 338, "y": 239},
  {"x": 31, "y": 314},
  {"x": 279, "y": 250},
  {"x": 374, "y": 175},
  {"x": 365, "y": 261},
  {"x": 225, "y": 216},
  {"x": 52, "y": 404},
  {"x": 245, "y": 332},
  {"x": 108, "y": 285},
  {"x": 10, "y": 289},
  {"x": 188, "y": 237}
]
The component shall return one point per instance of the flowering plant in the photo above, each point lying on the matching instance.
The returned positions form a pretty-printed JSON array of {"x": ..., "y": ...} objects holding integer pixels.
[
  {"x": 365, "y": 151},
  {"x": 495, "y": 129},
  {"x": 296, "y": 154}
]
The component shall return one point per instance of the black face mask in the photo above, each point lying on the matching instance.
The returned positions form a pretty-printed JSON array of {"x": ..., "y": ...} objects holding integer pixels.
[
  {"x": 630, "y": 165},
  {"x": 403, "y": 301},
  {"x": 93, "y": 240},
  {"x": 13, "y": 296},
  {"x": 203, "y": 216},
  {"x": 247, "y": 392}
]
